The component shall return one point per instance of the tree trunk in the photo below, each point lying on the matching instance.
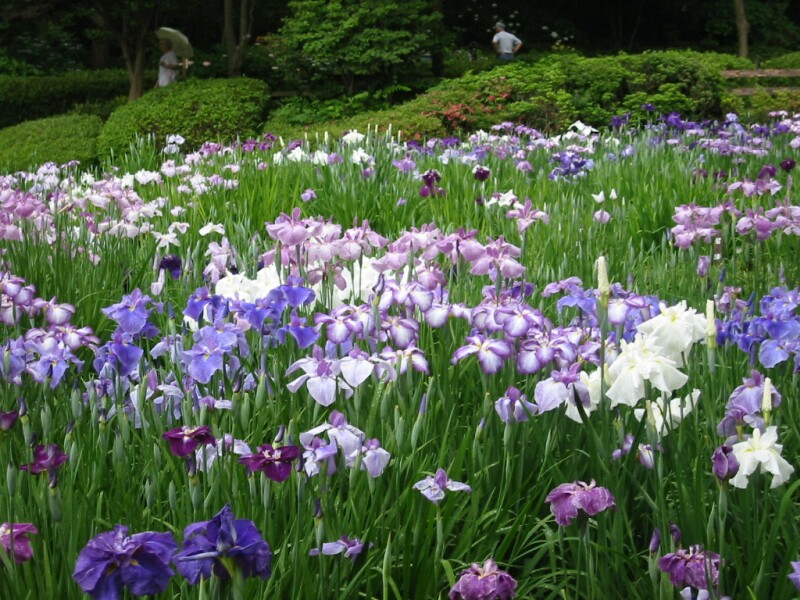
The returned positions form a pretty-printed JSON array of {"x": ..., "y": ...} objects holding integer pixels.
[
  {"x": 742, "y": 27},
  {"x": 437, "y": 52},
  {"x": 236, "y": 48},
  {"x": 132, "y": 39},
  {"x": 100, "y": 53}
]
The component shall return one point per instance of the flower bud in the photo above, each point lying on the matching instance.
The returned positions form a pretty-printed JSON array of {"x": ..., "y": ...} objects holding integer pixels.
[{"x": 724, "y": 463}]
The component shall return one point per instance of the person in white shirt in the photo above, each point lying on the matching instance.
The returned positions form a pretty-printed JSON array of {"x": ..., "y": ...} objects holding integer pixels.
[
  {"x": 505, "y": 44},
  {"x": 168, "y": 65}
]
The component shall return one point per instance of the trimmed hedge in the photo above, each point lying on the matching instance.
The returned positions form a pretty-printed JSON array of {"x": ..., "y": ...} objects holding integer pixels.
[
  {"x": 56, "y": 139},
  {"x": 557, "y": 90},
  {"x": 198, "y": 110},
  {"x": 29, "y": 98}
]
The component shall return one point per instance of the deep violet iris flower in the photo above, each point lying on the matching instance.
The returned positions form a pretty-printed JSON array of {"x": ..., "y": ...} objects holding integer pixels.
[
  {"x": 113, "y": 560},
  {"x": 222, "y": 545}
]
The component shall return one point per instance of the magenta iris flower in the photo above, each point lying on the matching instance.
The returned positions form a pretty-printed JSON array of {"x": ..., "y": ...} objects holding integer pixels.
[
  {"x": 691, "y": 567},
  {"x": 220, "y": 545},
  {"x": 484, "y": 582},
  {"x": 14, "y": 539},
  {"x": 114, "y": 560},
  {"x": 183, "y": 441},
  {"x": 274, "y": 462},
  {"x": 569, "y": 498},
  {"x": 7, "y": 419},
  {"x": 45, "y": 459}
]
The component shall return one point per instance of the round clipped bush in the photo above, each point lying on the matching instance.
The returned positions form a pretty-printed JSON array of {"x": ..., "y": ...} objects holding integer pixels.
[
  {"x": 55, "y": 139},
  {"x": 198, "y": 110}
]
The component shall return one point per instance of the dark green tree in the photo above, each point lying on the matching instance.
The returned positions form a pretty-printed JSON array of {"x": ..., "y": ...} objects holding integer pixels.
[{"x": 356, "y": 41}]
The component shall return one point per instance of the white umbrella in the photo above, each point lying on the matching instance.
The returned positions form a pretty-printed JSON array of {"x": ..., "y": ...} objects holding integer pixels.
[{"x": 180, "y": 43}]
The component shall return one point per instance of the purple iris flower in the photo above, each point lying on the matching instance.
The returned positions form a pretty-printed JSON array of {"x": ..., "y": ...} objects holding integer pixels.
[
  {"x": 222, "y": 544},
  {"x": 274, "y": 462},
  {"x": 45, "y": 459},
  {"x": 131, "y": 312},
  {"x": 119, "y": 353},
  {"x": 744, "y": 405},
  {"x": 788, "y": 165},
  {"x": 691, "y": 567},
  {"x": 491, "y": 352},
  {"x": 655, "y": 541},
  {"x": 14, "y": 539},
  {"x": 514, "y": 406},
  {"x": 204, "y": 359},
  {"x": 703, "y": 263},
  {"x": 405, "y": 165},
  {"x": 113, "y": 560},
  {"x": 172, "y": 264},
  {"x": 794, "y": 576},
  {"x": 183, "y": 441},
  {"x": 7, "y": 419},
  {"x": 304, "y": 335},
  {"x": 568, "y": 498},
  {"x": 484, "y": 582},
  {"x": 644, "y": 452},
  {"x": 293, "y": 293},
  {"x": 53, "y": 361},
  {"x": 559, "y": 387},
  {"x": 373, "y": 458},
  {"x": 433, "y": 488},
  {"x": 724, "y": 463},
  {"x": 319, "y": 455},
  {"x": 351, "y": 548},
  {"x": 198, "y": 301},
  {"x": 481, "y": 173}
]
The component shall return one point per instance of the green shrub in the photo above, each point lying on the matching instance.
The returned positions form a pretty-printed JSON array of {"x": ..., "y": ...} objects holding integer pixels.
[
  {"x": 56, "y": 139},
  {"x": 28, "y": 98},
  {"x": 199, "y": 110},
  {"x": 557, "y": 90},
  {"x": 785, "y": 61},
  {"x": 553, "y": 92},
  {"x": 405, "y": 118}
]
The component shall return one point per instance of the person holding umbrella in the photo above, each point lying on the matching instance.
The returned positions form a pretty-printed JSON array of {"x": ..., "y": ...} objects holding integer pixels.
[
  {"x": 173, "y": 44},
  {"x": 168, "y": 65}
]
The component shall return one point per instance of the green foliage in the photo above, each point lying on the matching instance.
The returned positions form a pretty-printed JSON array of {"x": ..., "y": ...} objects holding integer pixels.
[
  {"x": 784, "y": 61},
  {"x": 405, "y": 118},
  {"x": 56, "y": 139},
  {"x": 100, "y": 108},
  {"x": 10, "y": 65},
  {"x": 552, "y": 93},
  {"x": 199, "y": 110},
  {"x": 28, "y": 98},
  {"x": 555, "y": 91},
  {"x": 351, "y": 39}
]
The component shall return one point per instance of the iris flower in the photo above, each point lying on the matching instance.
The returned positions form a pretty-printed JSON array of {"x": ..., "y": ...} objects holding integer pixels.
[
  {"x": 484, "y": 582},
  {"x": 761, "y": 450},
  {"x": 351, "y": 548},
  {"x": 569, "y": 498},
  {"x": 184, "y": 440},
  {"x": 274, "y": 462},
  {"x": 222, "y": 545},
  {"x": 14, "y": 539},
  {"x": 433, "y": 488},
  {"x": 113, "y": 560}
]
